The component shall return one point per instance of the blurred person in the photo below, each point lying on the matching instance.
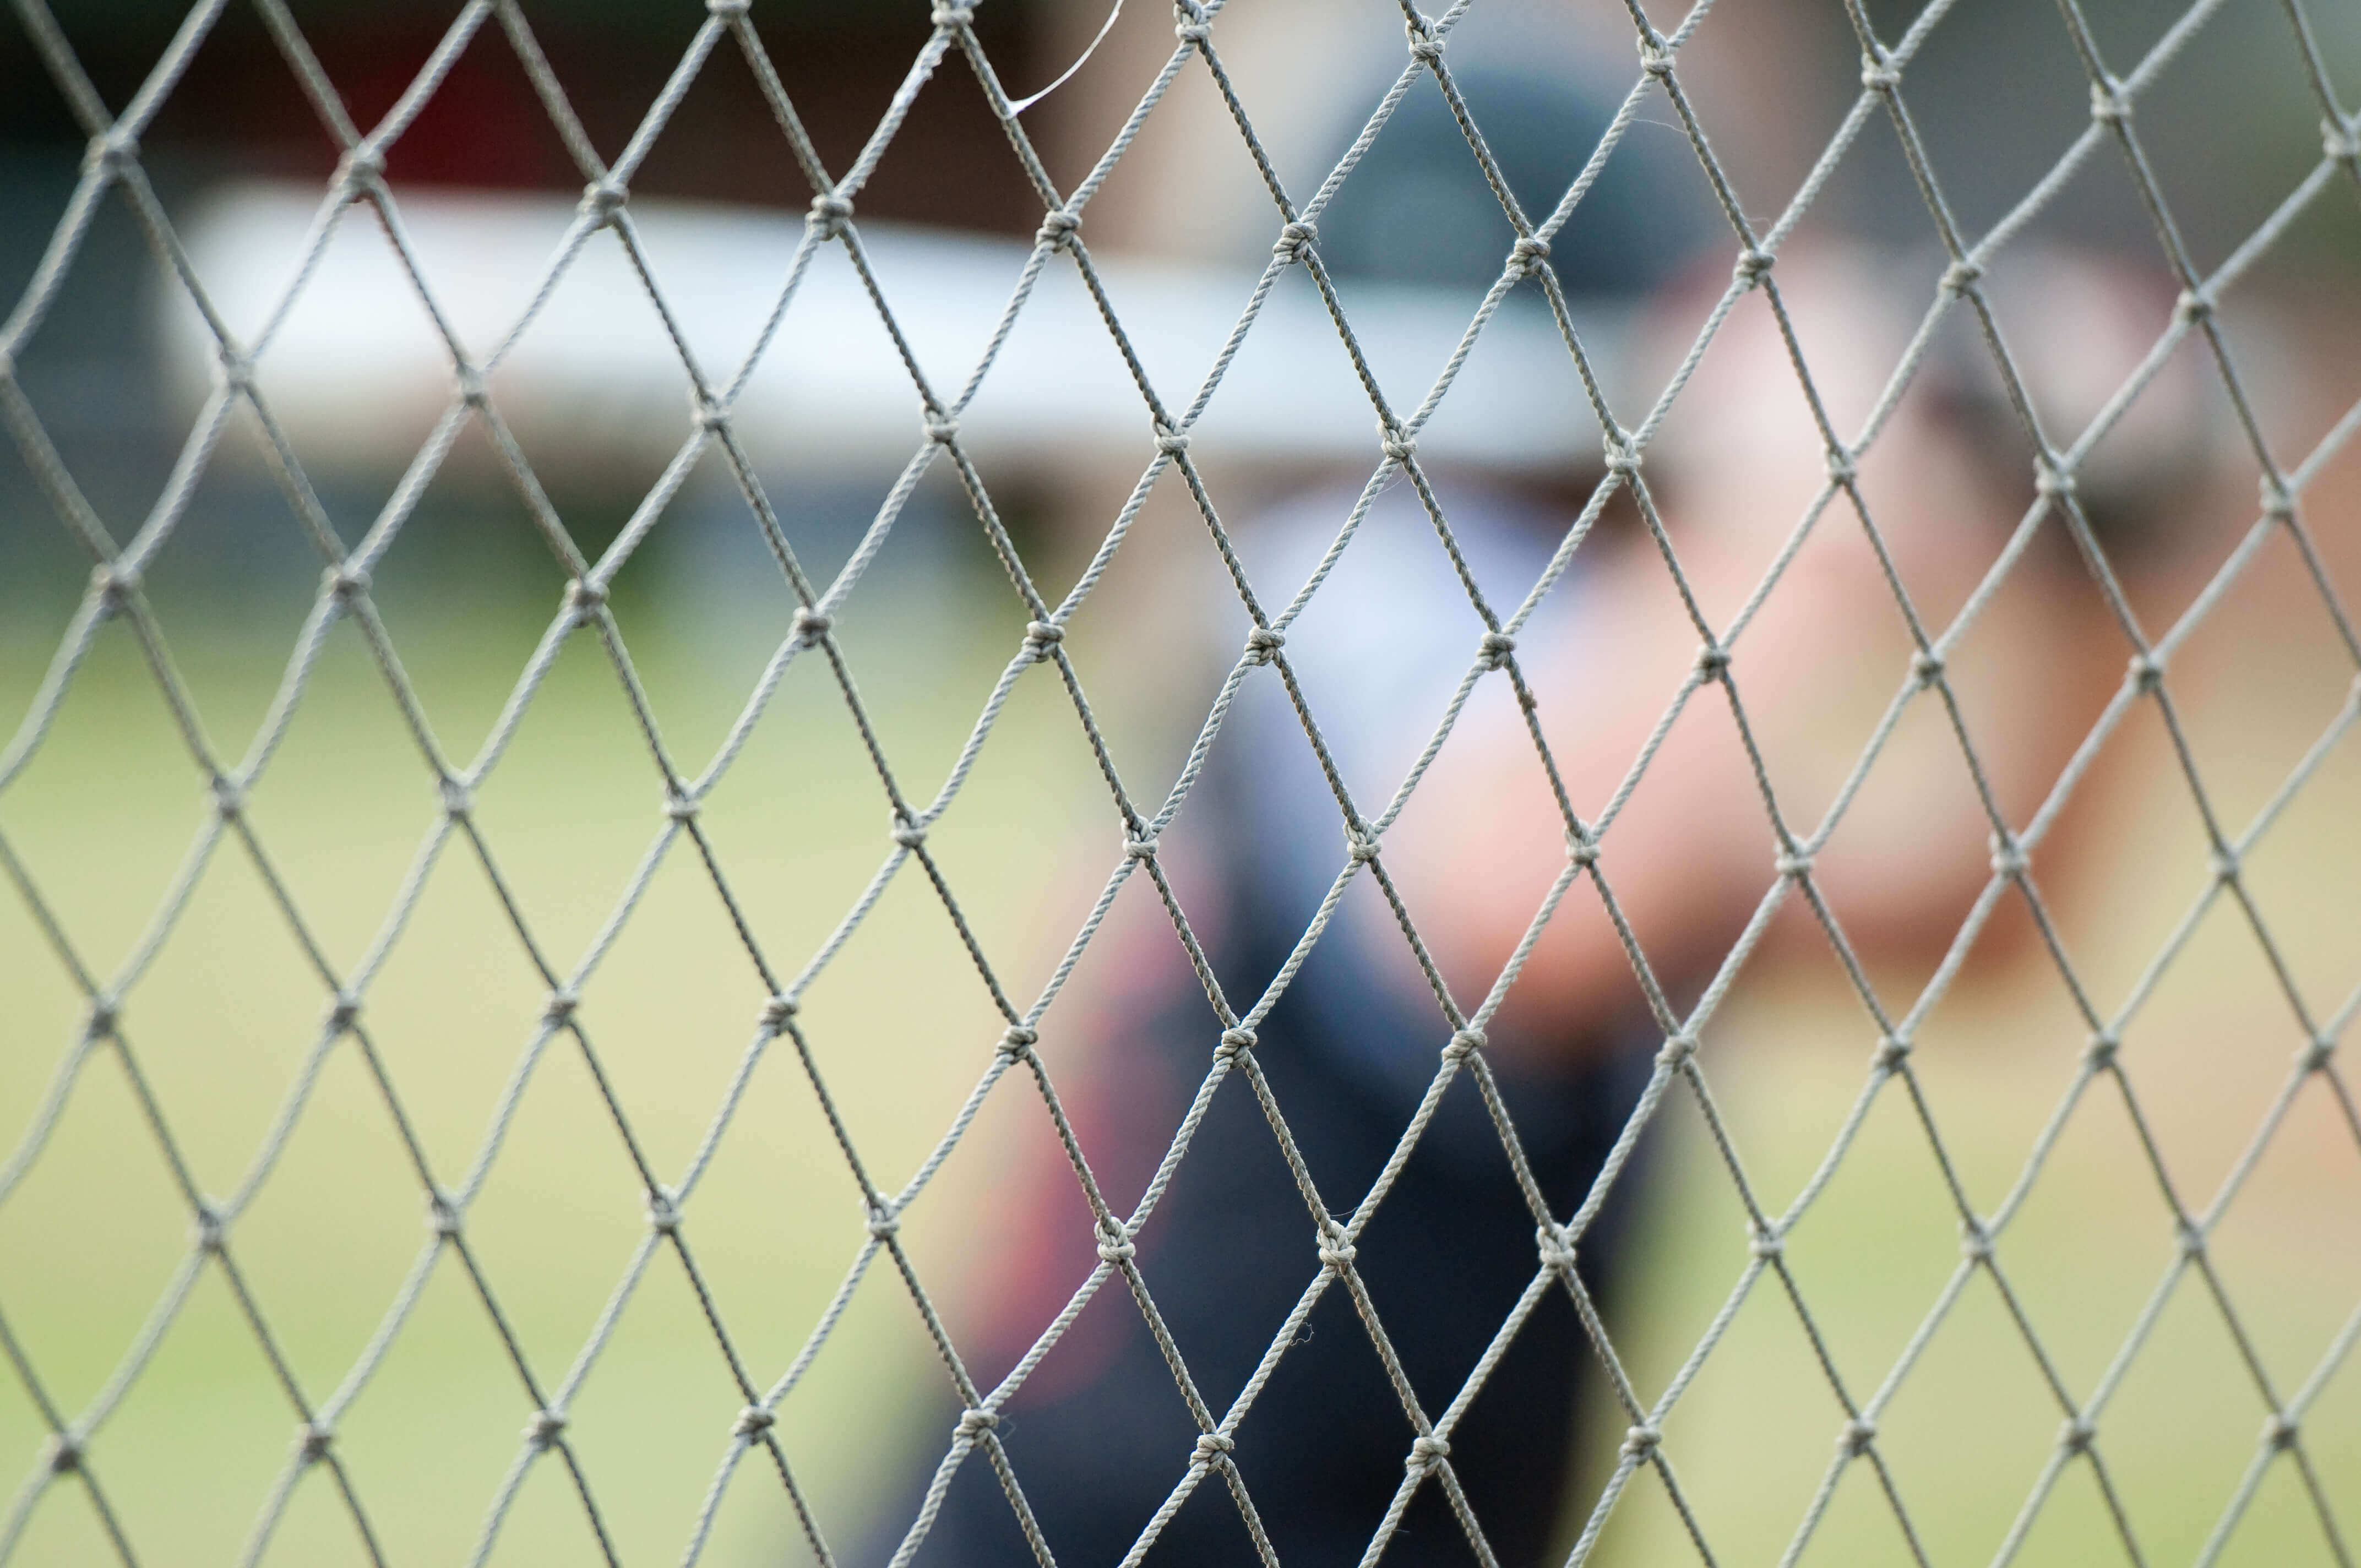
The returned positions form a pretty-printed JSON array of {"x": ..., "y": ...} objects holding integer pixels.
[{"x": 1350, "y": 1048}]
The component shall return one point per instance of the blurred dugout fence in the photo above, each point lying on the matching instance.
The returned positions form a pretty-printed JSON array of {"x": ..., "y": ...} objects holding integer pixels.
[{"x": 277, "y": 310}]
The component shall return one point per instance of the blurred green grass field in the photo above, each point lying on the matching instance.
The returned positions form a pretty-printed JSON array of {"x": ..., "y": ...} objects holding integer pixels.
[
  {"x": 901, "y": 1027},
  {"x": 223, "y": 1018}
]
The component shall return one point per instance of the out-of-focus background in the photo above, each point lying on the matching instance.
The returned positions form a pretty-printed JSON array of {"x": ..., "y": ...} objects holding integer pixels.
[{"x": 102, "y": 817}]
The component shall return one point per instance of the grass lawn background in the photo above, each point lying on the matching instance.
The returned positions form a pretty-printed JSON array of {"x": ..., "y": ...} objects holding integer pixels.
[{"x": 901, "y": 1027}]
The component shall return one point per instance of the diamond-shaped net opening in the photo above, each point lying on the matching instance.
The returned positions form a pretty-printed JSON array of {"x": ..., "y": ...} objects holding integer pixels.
[{"x": 1762, "y": 858}]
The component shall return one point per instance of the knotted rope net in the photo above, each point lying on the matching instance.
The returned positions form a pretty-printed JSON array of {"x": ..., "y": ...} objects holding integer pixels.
[{"x": 751, "y": 1442}]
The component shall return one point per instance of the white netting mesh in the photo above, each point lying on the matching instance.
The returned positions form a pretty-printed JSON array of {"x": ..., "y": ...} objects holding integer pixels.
[{"x": 75, "y": 1471}]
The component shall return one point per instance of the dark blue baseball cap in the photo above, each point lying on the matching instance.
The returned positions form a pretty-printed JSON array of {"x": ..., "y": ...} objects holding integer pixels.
[{"x": 1418, "y": 208}]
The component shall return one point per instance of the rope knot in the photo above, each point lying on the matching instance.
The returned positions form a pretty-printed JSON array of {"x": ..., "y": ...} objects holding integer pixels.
[
  {"x": 113, "y": 150},
  {"x": 883, "y": 1222},
  {"x": 1496, "y": 647},
  {"x": 1841, "y": 467},
  {"x": 1642, "y": 1441},
  {"x": 1713, "y": 660},
  {"x": 361, "y": 168},
  {"x": 1116, "y": 1246},
  {"x": 811, "y": 624},
  {"x": 2075, "y": 1434},
  {"x": 1426, "y": 1452},
  {"x": 2224, "y": 863},
  {"x": 2194, "y": 305},
  {"x": 1039, "y": 635},
  {"x": 1423, "y": 44},
  {"x": 1556, "y": 1246},
  {"x": 1765, "y": 1244},
  {"x": 828, "y": 214},
  {"x": 777, "y": 1012},
  {"x": 2007, "y": 857},
  {"x": 545, "y": 1428},
  {"x": 1754, "y": 265},
  {"x": 680, "y": 806},
  {"x": 2279, "y": 1431},
  {"x": 1464, "y": 1044},
  {"x": 753, "y": 1422},
  {"x": 1622, "y": 457},
  {"x": 458, "y": 798},
  {"x": 209, "y": 1230},
  {"x": 2052, "y": 483},
  {"x": 1361, "y": 847},
  {"x": 345, "y": 584},
  {"x": 975, "y": 1421},
  {"x": 1975, "y": 1241},
  {"x": 2315, "y": 1056},
  {"x": 1583, "y": 853},
  {"x": 1857, "y": 1435},
  {"x": 663, "y": 1211},
  {"x": 2145, "y": 672},
  {"x": 228, "y": 798},
  {"x": 2108, "y": 105},
  {"x": 1878, "y": 73},
  {"x": 342, "y": 1013},
  {"x": 559, "y": 1010},
  {"x": 908, "y": 834},
  {"x": 1398, "y": 446},
  {"x": 941, "y": 429},
  {"x": 1961, "y": 276},
  {"x": 1527, "y": 255},
  {"x": 1263, "y": 642},
  {"x": 443, "y": 1216},
  {"x": 1891, "y": 1053},
  {"x": 2339, "y": 144},
  {"x": 114, "y": 584},
  {"x": 64, "y": 1456},
  {"x": 1211, "y": 1445},
  {"x": 1678, "y": 1049},
  {"x": 1336, "y": 1249},
  {"x": 602, "y": 198},
  {"x": 1655, "y": 59},
  {"x": 1795, "y": 864},
  {"x": 2102, "y": 1049},
  {"x": 1056, "y": 230},
  {"x": 1018, "y": 1041},
  {"x": 2275, "y": 498},
  {"x": 1234, "y": 1041},
  {"x": 952, "y": 16},
  {"x": 1294, "y": 240},
  {"x": 312, "y": 1441},
  {"x": 2193, "y": 1240},
  {"x": 1143, "y": 847},
  {"x": 728, "y": 9},
  {"x": 1926, "y": 667},
  {"x": 1192, "y": 27},
  {"x": 101, "y": 1022},
  {"x": 1171, "y": 443},
  {"x": 584, "y": 597}
]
